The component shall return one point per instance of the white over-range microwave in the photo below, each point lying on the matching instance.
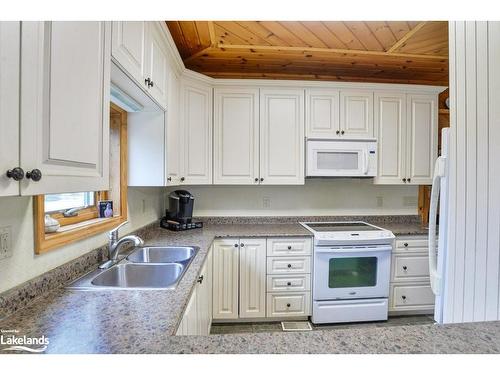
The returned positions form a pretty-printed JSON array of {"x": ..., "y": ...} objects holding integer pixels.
[{"x": 341, "y": 158}]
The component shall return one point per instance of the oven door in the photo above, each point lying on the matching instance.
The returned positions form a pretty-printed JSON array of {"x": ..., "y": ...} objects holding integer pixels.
[{"x": 351, "y": 272}]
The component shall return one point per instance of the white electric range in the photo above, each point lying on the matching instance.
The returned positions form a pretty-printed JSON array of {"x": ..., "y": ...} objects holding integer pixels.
[{"x": 351, "y": 271}]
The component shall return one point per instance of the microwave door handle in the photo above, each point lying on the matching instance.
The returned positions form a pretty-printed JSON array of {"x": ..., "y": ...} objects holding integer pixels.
[{"x": 365, "y": 157}]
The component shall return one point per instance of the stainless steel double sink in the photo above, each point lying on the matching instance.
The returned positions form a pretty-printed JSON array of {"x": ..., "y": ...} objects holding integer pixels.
[{"x": 145, "y": 268}]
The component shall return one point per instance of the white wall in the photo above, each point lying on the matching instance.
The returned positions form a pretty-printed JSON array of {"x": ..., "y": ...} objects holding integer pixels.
[
  {"x": 145, "y": 205},
  {"x": 316, "y": 197}
]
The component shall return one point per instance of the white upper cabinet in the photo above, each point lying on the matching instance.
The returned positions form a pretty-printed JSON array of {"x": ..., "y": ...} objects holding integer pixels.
[
  {"x": 65, "y": 106},
  {"x": 407, "y": 137},
  {"x": 390, "y": 131},
  {"x": 322, "y": 113},
  {"x": 356, "y": 114},
  {"x": 196, "y": 124},
  {"x": 282, "y": 136},
  {"x": 129, "y": 47},
  {"x": 10, "y": 42},
  {"x": 157, "y": 64},
  {"x": 236, "y": 136},
  {"x": 173, "y": 132},
  {"x": 140, "y": 49},
  {"x": 422, "y": 118}
]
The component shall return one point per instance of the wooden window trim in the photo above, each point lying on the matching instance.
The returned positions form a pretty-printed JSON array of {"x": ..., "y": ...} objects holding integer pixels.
[{"x": 45, "y": 242}]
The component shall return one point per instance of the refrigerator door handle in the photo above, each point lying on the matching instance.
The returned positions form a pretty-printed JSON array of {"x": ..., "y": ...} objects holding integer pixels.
[{"x": 439, "y": 172}]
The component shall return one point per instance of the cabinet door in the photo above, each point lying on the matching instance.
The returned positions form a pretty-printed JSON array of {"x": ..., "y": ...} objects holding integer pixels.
[
  {"x": 10, "y": 39},
  {"x": 421, "y": 138},
  {"x": 157, "y": 65},
  {"x": 174, "y": 146},
  {"x": 282, "y": 136},
  {"x": 128, "y": 48},
  {"x": 196, "y": 106},
  {"x": 65, "y": 80},
  {"x": 252, "y": 278},
  {"x": 322, "y": 113},
  {"x": 356, "y": 114},
  {"x": 225, "y": 279},
  {"x": 204, "y": 297},
  {"x": 236, "y": 136},
  {"x": 390, "y": 131}
]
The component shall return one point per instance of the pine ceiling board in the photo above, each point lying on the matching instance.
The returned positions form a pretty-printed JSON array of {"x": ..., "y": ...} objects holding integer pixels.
[
  {"x": 226, "y": 37},
  {"x": 412, "y": 24},
  {"x": 344, "y": 34},
  {"x": 364, "y": 35},
  {"x": 244, "y": 34},
  {"x": 283, "y": 33},
  {"x": 256, "y": 28},
  {"x": 433, "y": 33},
  {"x": 400, "y": 28},
  {"x": 203, "y": 33},
  {"x": 304, "y": 34},
  {"x": 176, "y": 32},
  {"x": 323, "y": 33},
  {"x": 190, "y": 33},
  {"x": 383, "y": 33}
]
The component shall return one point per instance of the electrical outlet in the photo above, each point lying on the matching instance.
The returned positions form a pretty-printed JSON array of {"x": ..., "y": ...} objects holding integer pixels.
[
  {"x": 380, "y": 201},
  {"x": 266, "y": 202},
  {"x": 410, "y": 201},
  {"x": 5, "y": 242}
]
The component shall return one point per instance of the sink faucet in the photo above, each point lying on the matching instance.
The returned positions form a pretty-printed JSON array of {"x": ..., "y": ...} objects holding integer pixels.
[{"x": 115, "y": 245}]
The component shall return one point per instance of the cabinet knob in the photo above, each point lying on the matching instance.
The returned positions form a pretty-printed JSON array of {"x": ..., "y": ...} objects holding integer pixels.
[
  {"x": 403, "y": 298},
  {"x": 404, "y": 179},
  {"x": 288, "y": 305},
  {"x": 261, "y": 179},
  {"x": 405, "y": 268},
  {"x": 200, "y": 279},
  {"x": 169, "y": 179},
  {"x": 17, "y": 174},
  {"x": 256, "y": 179},
  {"x": 405, "y": 244},
  {"x": 289, "y": 266},
  {"x": 342, "y": 132},
  {"x": 236, "y": 245},
  {"x": 409, "y": 180},
  {"x": 288, "y": 283},
  {"x": 337, "y": 132},
  {"x": 289, "y": 247},
  {"x": 151, "y": 84},
  {"x": 148, "y": 82},
  {"x": 35, "y": 175},
  {"x": 242, "y": 245},
  {"x": 182, "y": 179}
]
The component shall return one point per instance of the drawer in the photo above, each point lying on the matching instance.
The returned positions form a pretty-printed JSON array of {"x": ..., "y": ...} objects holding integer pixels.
[
  {"x": 410, "y": 267},
  {"x": 411, "y": 245},
  {"x": 411, "y": 297},
  {"x": 284, "y": 265},
  {"x": 288, "y": 283},
  {"x": 288, "y": 246},
  {"x": 288, "y": 304}
]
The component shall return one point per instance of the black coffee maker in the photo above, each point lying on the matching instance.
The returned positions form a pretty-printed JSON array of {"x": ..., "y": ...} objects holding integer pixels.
[{"x": 179, "y": 215}]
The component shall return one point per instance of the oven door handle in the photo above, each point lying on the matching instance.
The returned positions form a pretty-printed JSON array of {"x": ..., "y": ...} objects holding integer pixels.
[{"x": 352, "y": 250}]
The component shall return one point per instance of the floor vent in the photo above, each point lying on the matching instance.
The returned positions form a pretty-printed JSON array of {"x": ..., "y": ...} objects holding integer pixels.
[{"x": 296, "y": 326}]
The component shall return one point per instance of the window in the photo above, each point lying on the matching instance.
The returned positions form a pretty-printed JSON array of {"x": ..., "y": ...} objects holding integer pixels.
[
  {"x": 67, "y": 201},
  {"x": 83, "y": 220}
]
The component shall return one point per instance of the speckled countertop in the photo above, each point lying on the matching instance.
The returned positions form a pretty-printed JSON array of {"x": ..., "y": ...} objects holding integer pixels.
[{"x": 145, "y": 321}]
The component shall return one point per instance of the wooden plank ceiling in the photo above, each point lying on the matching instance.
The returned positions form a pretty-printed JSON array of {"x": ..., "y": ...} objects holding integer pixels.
[{"x": 375, "y": 51}]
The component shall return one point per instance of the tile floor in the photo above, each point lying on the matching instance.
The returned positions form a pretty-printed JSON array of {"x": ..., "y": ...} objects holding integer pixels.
[{"x": 232, "y": 328}]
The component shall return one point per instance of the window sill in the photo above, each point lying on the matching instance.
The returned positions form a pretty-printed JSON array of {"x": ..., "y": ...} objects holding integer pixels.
[{"x": 70, "y": 233}]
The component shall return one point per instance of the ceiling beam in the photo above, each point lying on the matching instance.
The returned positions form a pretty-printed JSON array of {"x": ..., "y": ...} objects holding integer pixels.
[
  {"x": 251, "y": 48},
  {"x": 211, "y": 31},
  {"x": 197, "y": 54},
  {"x": 405, "y": 37}
]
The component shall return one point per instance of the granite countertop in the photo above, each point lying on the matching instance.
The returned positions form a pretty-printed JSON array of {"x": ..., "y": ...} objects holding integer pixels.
[{"x": 145, "y": 321}]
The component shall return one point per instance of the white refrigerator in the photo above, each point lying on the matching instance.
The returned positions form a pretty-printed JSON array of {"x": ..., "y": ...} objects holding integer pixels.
[{"x": 438, "y": 246}]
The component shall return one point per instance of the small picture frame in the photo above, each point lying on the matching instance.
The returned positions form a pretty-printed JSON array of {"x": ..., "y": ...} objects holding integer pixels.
[{"x": 105, "y": 208}]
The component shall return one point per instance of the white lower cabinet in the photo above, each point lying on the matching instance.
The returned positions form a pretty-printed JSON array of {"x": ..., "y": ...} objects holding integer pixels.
[
  {"x": 226, "y": 278},
  {"x": 410, "y": 290},
  {"x": 252, "y": 277},
  {"x": 197, "y": 317},
  {"x": 288, "y": 304}
]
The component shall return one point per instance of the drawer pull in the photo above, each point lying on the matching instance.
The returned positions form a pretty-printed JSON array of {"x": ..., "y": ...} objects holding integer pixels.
[
  {"x": 200, "y": 279},
  {"x": 403, "y": 298},
  {"x": 289, "y": 247},
  {"x": 405, "y": 244},
  {"x": 405, "y": 268},
  {"x": 289, "y": 283},
  {"x": 289, "y": 266},
  {"x": 288, "y": 305}
]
